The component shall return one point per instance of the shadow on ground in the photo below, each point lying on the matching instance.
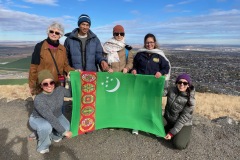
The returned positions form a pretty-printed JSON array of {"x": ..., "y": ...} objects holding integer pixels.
[{"x": 210, "y": 140}]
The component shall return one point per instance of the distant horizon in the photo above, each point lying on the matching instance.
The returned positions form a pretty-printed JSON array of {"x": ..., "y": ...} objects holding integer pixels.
[
  {"x": 33, "y": 43},
  {"x": 172, "y": 22}
]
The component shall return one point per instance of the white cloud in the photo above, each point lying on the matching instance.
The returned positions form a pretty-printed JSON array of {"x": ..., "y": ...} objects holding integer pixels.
[
  {"x": 135, "y": 12},
  {"x": 20, "y": 21},
  {"x": 169, "y": 5},
  {"x": 9, "y": 3},
  {"x": 185, "y": 2},
  {"x": 46, "y": 2},
  {"x": 21, "y": 6},
  {"x": 229, "y": 12},
  {"x": 209, "y": 28}
]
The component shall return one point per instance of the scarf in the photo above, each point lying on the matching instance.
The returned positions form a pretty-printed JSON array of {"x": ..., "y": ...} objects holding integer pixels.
[
  {"x": 160, "y": 52},
  {"x": 111, "y": 47},
  {"x": 52, "y": 43}
]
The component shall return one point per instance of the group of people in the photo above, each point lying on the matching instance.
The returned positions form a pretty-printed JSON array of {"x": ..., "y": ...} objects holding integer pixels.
[{"x": 82, "y": 51}]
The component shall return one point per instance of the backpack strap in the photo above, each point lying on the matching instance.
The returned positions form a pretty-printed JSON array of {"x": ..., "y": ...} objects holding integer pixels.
[
  {"x": 55, "y": 63},
  {"x": 126, "y": 52}
]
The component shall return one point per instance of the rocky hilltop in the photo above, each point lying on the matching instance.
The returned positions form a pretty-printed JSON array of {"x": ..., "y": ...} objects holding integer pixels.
[{"x": 211, "y": 71}]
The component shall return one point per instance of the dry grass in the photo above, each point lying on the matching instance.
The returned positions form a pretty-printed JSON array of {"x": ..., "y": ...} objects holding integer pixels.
[
  {"x": 12, "y": 92},
  {"x": 216, "y": 105},
  {"x": 208, "y": 105}
]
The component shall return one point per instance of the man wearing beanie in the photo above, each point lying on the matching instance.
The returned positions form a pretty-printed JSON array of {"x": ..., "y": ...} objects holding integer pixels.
[{"x": 83, "y": 47}]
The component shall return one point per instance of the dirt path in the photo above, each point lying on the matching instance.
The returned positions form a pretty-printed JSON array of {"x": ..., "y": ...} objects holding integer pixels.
[{"x": 209, "y": 140}]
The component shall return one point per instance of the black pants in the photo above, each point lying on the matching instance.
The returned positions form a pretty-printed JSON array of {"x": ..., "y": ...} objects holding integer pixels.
[{"x": 182, "y": 138}]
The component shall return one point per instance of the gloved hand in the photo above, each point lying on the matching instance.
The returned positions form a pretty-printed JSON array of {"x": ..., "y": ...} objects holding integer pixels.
[{"x": 128, "y": 47}]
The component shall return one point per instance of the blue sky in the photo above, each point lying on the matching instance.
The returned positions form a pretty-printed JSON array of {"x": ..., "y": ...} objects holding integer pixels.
[{"x": 172, "y": 21}]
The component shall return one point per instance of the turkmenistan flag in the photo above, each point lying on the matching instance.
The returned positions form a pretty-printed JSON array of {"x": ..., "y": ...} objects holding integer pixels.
[{"x": 116, "y": 100}]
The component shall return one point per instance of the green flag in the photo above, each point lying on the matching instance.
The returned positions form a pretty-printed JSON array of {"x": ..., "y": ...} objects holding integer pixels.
[{"x": 116, "y": 100}]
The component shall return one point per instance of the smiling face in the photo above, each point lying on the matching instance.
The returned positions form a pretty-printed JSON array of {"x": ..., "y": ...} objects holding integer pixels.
[
  {"x": 149, "y": 43},
  {"x": 48, "y": 85},
  {"x": 182, "y": 85},
  {"x": 54, "y": 34},
  {"x": 83, "y": 28}
]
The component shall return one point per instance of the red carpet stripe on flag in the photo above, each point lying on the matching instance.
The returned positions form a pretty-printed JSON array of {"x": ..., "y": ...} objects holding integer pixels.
[{"x": 88, "y": 102}]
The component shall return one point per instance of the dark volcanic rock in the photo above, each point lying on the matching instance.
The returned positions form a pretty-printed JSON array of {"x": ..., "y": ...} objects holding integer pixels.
[{"x": 214, "y": 72}]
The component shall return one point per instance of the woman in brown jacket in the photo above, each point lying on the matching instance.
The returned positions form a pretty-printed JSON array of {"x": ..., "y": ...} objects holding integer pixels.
[
  {"x": 45, "y": 52},
  {"x": 119, "y": 55}
]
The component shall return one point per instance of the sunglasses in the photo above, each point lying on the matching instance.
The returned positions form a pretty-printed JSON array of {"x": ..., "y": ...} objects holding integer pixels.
[
  {"x": 150, "y": 42},
  {"x": 57, "y": 33},
  {"x": 121, "y": 34},
  {"x": 48, "y": 84},
  {"x": 184, "y": 83}
]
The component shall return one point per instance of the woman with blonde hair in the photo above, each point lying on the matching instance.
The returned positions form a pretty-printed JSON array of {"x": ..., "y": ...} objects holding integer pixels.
[{"x": 49, "y": 54}]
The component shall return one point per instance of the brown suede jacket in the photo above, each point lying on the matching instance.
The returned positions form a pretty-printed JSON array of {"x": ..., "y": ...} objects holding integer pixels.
[{"x": 46, "y": 62}]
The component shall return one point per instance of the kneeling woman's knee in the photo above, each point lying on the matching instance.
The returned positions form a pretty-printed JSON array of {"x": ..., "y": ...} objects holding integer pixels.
[
  {"x": 180, "y": 146},
  {"x": 45, "y": 129}
]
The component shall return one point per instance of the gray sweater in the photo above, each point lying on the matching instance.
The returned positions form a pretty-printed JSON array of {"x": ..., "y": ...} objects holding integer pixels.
[{"x": 49, "y": 107}]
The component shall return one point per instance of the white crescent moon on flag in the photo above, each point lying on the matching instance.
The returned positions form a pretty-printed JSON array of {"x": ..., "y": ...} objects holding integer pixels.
[{"x": 116, "y": 87}]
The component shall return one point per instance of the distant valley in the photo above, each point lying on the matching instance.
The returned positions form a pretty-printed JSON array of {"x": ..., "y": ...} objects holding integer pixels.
[{"x": 214, "y": 68}]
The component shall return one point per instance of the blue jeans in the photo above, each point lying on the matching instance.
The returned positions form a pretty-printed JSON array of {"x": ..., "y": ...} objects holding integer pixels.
[{"x": 45, "y": 131}]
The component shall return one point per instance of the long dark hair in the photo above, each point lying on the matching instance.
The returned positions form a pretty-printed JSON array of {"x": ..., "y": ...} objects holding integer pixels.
[
  {"x": 150, "y": 35},
  {"x": 189, "y": 89},
  {"x": 38, "y": 88}
]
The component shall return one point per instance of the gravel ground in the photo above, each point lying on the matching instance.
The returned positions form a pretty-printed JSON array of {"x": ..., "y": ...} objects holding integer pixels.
[{"x": 218, "y": 139}]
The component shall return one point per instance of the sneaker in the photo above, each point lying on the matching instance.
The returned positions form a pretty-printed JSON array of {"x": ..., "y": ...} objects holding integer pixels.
[
  {"x": 32, "y": 136},
  {"x": 135, "y": 132},
  {"x": 57, "y": 140},
  {"x": 44, "y": 151}
]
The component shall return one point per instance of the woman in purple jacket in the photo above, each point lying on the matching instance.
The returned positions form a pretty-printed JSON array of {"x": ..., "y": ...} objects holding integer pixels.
[{"x": 179, "y": 111}]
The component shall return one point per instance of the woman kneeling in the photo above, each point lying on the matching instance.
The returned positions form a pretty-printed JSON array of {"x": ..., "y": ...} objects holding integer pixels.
[
  {"x": 47, "y": 118},
  {"x": 179, "y": 111}
]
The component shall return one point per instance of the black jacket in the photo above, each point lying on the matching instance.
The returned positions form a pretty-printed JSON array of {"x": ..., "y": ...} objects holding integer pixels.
[{"x": 149, "y": 64}]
